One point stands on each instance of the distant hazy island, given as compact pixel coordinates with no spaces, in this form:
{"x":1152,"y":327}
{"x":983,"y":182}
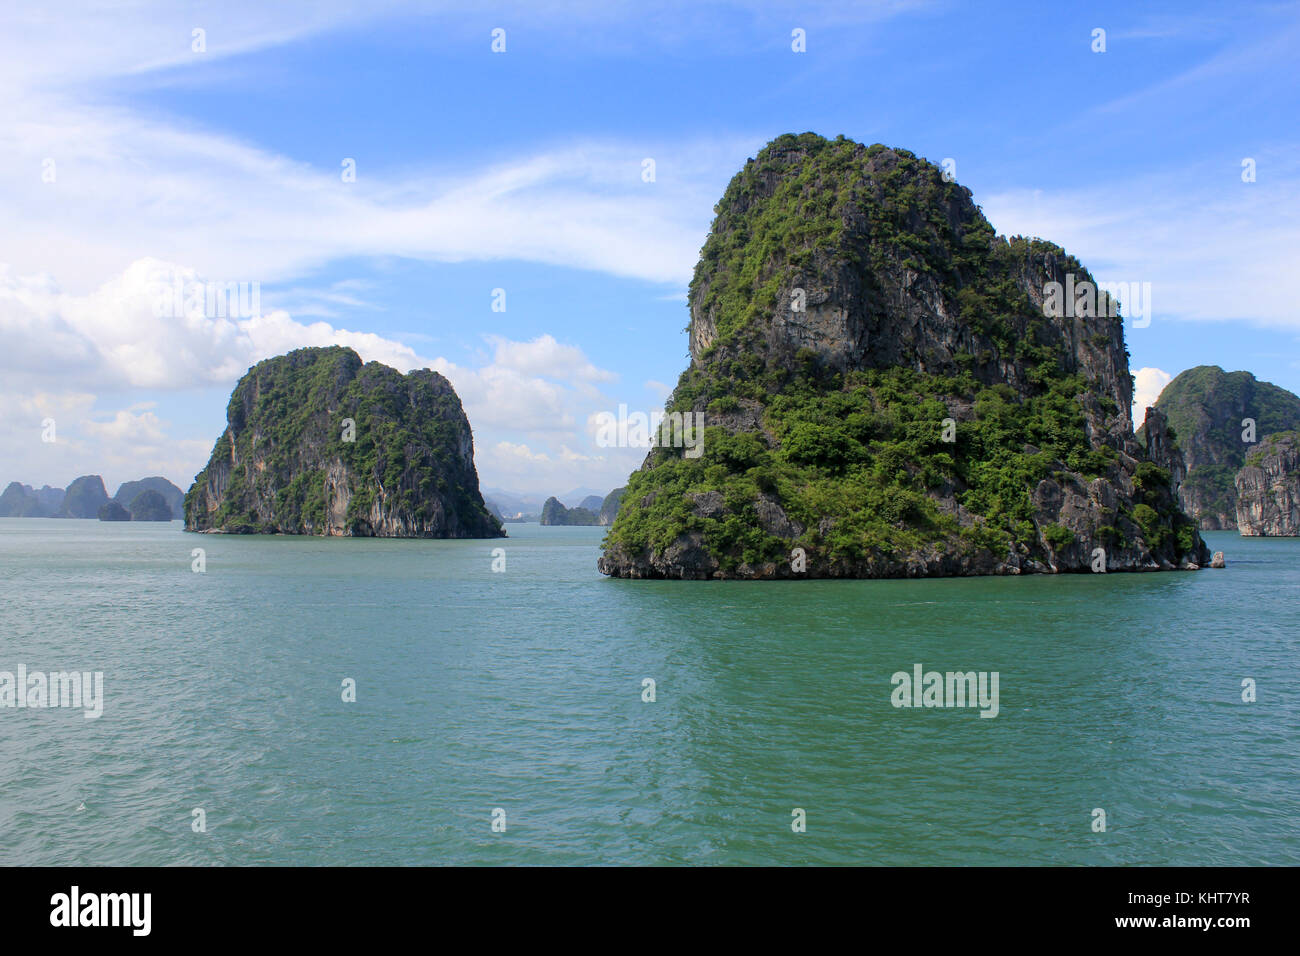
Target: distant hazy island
{"x":318,"y":442}
{"x":149,"y":499}
{"x":592,"y":511}
{"x":554,"y":513}
{"x":894,"y":390}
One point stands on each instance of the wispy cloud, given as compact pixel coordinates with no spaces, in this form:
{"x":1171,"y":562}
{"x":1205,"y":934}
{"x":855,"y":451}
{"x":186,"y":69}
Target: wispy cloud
{"x":1211,"y":245}
{"x":124,"y":188}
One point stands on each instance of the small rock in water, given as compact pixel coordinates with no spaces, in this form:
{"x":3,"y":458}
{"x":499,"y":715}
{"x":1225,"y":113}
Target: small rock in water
{"x":1217,"y":561}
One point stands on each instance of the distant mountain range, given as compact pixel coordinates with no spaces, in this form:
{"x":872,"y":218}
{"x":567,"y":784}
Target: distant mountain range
{"x":86,"y":497}
{"x":148,"y":499}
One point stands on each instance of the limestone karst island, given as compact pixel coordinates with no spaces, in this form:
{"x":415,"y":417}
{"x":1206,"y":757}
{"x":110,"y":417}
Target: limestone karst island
{"x":887,"y":392}
{"x":317,"y":442}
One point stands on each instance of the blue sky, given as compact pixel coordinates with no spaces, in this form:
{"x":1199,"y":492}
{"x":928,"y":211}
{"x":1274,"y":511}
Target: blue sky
{"x":522,"y":170}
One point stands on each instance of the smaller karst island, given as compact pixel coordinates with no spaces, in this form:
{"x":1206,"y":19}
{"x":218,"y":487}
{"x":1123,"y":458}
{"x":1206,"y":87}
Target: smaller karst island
{"x":318,"y":442}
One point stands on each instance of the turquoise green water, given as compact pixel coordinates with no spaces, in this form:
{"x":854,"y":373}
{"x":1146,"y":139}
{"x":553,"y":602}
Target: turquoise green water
{"x":522,"y":691}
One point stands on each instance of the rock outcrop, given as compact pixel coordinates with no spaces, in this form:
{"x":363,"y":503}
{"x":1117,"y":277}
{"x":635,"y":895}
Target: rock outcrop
{"x":1268,"y":488}
{"x":150,"y":505}
{"x":175,"y":498}
{"x":83,"y":498}
{"x":1217,"y":417}
{"x":112,"y":511}
{"x":609,"y":507}
{"x":554,"y":513}
{"x":1162,"y":448}
{"x":319,"y":443}
{"x":889,"y":389}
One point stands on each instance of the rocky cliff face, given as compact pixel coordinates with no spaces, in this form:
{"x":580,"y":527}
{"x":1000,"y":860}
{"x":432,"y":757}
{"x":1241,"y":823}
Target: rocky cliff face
{"x":1268,"y":488}
{"x":1162,"y":448}
{"x":318,"y":443}
{"x":890,"y":389}
{"x":83,"y":498}
{"x":1209,"y":411}
{"x":609,"y":507}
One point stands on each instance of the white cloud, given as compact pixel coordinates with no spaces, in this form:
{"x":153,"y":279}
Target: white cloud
{"x":118,"y":444}
{"x":518,"y":466}
{"x":546,"y":357}
{"x":114,"y":337}
{"x":658,"y":389}
{"x":1150,"y":382}
{"x":139,"y":423}
{"x":1212,"y":247}
{"x":538,"y":389}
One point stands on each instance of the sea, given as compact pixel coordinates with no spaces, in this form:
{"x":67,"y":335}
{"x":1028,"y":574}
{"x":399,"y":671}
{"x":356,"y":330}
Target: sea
{"x":309,"y":701}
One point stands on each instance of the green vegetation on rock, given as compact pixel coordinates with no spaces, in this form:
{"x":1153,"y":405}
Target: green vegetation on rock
{"x":318,"y":443}
{"x":1207,"y":409}
{"x":919,"y":414}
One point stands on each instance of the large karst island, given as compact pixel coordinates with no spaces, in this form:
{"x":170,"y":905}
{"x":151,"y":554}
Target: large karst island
{"x":319,"y":443}
{"x":890,"y":389}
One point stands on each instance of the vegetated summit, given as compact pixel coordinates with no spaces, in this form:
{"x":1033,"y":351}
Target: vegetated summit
{"x":849,"y":300}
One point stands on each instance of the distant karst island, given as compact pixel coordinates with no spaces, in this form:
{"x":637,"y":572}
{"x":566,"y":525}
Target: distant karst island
{"x":319,"y":443}
{"x":891,"y":389}
{"x":149,"y":499}
{"x":593,"y":510}
{"x":1217,"y":420}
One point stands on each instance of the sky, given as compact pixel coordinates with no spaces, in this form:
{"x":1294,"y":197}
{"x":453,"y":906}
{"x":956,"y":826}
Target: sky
{"x":382,"y":177}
